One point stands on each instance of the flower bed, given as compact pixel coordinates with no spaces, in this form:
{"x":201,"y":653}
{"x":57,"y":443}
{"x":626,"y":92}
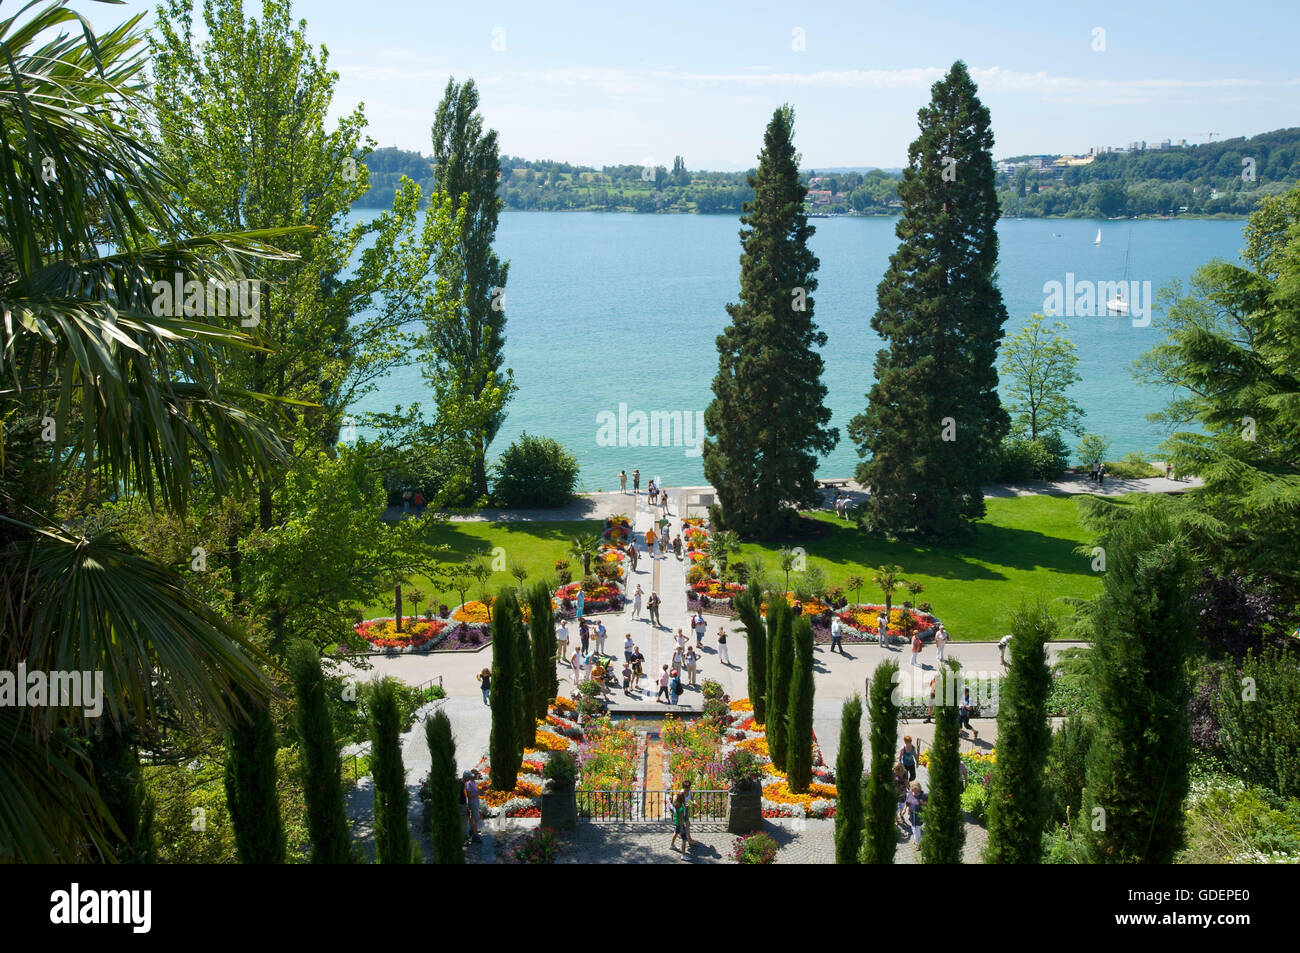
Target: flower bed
{"x":617,"y":535}
{"x":607,"y":758}
{"x":778,"y":799}
{"x":694,"y":752}
{"x":475,"y":612}
{"x":548,"y":741}
{"x":417,"y":634}
{"x":606,"y":597}
{"x":861,"y":619}
{"x":810,"y":608}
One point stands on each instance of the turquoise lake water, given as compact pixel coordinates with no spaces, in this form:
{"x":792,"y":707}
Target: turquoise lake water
{"x":609,"y":309}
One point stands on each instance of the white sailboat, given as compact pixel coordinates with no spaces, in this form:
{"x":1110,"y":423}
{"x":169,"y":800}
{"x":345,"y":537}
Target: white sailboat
{"x":1117,"y":304}
{"x":1097,"y":240}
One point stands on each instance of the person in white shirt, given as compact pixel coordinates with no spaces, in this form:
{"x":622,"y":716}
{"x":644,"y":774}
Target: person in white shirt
{"x":628,"y":648}
{"x":940,"y":642}
{"x":562,"y":642}
{"x":700,"y":627}
{"x":1002,"y":648}
{"x":836,"y":634}
{"x":600,"y":637}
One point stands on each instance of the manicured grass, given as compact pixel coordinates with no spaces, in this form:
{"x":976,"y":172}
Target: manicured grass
{"x":536,"y":545}
{"x":1023,"y":548}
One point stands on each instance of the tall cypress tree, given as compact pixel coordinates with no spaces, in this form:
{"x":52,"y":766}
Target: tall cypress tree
{"x":944,"y":819}
{"x":392,"y":830}
{"x":506,"y":745}
{"x":118,"y":779}
{"x":250,"y":785}
{"x":849,"y":816}
{"x":447,"y":820}
{"x":467,"y":341}
{"x":541,"y":624}
{"x":1019,"y":806}
{"x":799,"y":714}
{"x":1143,"y":630}
{"x":527,"y":683}
{"x":751,"y":618}
{"x":934,"y":419}
{"x":767,"y":423}
{"x":780,"y":645}
{"x":880,"y":839}
{"x":327,"y":819}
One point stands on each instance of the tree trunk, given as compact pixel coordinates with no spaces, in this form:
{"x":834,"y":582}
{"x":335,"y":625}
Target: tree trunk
{"x":397,"y":598}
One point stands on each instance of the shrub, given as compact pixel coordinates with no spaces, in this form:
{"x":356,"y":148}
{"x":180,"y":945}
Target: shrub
{"x":1133,"y":467}
{"x":561,"y":769}
{"x":1067,"y":767}
{"x":1258,"y":710}
{"x":588,"y":705}
{"x":716,"y":711}
{"x":755,"y":848}
{"x":534,"y":471}
{"x":590,"y":689}
{"x":711,"y":689}
{"x":974,"y":801}
{"x":537,"y":847}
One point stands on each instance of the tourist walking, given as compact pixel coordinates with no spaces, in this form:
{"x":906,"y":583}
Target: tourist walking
{"x":1101,"y":475}
{"x":722,"y":647}
{"x":691,"y":661}
{"x":907,"y":756}
{"x":882,"y":629}
{"x":628,"y":648}
{"x":622,"y":481}
{"x":584,"y":636}
{"x":915,"y":799}
{"x":663,"y":685}
{"x":916,"y":649}
{"x":601,"y":632}
{"x":964,"y":713}
{"x":406,"y":501}
{"x":681,"y":805}
{"x":677,"y":546}
{"x":901,"y":785}
{"x":636,"y":603}
{"x":627,"y":679}
{"x":929,"y":714}
{"x":940,"y":642}
{"x":638,"y":666}
{"x":652,"y":493}
{"x":700,"y":627}
{"x":836,"y":635}
{"x":653,"y":606}
{"x":650,"y":542}
{"x":485,"y":684}
{"x":675,"y":687}
{"x":575,"y":662}
{"x":1092,"y":472}
{"x":663,"y":500}
{"x":680,"y":639}
{"x":678,"y":658}
{"x":562,"y":642}
{"x":636,"y":482}
{"x":1002,"y":649}
{"x":631,"y":554}
{"x":469,"y":797}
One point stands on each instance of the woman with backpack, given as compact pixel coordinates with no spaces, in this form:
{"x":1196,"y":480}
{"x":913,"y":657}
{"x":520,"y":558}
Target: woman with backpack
{"x":916,"y":799}
{"x":682,"y":818}
{"x":907,"y":757}
{"x":675,"y":687}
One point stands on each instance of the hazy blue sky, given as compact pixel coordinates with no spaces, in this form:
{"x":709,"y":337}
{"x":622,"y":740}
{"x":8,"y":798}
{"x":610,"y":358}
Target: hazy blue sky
{"x":600,"y":83}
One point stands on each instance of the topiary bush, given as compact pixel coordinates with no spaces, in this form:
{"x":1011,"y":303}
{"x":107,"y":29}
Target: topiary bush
{"x":534,"y":471}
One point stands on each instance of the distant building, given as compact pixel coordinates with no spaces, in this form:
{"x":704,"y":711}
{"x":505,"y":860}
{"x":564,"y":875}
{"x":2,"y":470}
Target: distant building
{"x":818,"y":180}
{"x":820,"y":196}
{"x":1165,"y":143}
{"x":841,"y":197}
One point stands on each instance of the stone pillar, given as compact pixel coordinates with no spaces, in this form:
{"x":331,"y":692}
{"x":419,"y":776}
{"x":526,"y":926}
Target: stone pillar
{"x":559,"y":807}
{"x":745,"y":810}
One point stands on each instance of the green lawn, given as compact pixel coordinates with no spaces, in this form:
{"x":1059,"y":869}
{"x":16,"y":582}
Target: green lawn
{"x":536,"y":545}
{"x":1024,"y":547}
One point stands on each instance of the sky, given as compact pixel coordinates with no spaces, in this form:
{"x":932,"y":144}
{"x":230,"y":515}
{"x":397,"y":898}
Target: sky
{"x":605,"y":83}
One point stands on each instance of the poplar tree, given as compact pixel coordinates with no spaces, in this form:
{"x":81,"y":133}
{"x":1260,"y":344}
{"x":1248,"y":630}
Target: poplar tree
{"x":1144,"y":627}
{"x":880,"y":838}
{"x":850,"y":819}
{"x":944,"y":819}
{"x":780,"y":650}
{"x":392,"y":831}
{"x":447,"y":819}
{"x":506,"y":744}
{"x":767,"y":423}
{"x":250,"y":785}
{"x":799,"y":714}
{"x":934,"y":421}
{"x":466,"y":338}
{"x":751,"y":619}
{"x":322,"y":788}
{"x":1019,"y":805}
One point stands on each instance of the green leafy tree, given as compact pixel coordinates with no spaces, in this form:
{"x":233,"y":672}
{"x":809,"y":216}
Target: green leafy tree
{"x":1018,"y":805}
{"x":1092,"y":449}
{"x":799,"y":744}
{"x":1229,"y":352}
{"x":392,"y":831}
{"x":541,"y":625}
{"x":447,"y":823}
{"x":767,"y":423}
{"x":780,"y":665}
{"x":327,"y":818}
{"x":506,"y":745}
{"x":585,"y":548}
{"x":1038,"y":366}
{"x":466,"y":334}
{"x":880,"y":838}
{"x":750,"y":615}
{"x":945,"y":820}
{"x":934,"y":420}
{"x":250,"y":786}
{"x":850,"y":818}
{"x":116,"y":770}
{"x":1143,"y":632}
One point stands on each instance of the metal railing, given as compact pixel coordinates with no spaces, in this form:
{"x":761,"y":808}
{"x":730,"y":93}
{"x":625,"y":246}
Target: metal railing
{"x":647,"y":806}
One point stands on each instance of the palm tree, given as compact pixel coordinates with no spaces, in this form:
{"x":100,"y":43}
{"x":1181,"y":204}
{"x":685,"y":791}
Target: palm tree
{"x":855,"y":583}
{"x":720,"y":546}
{"x":787,"y":558}
{"x":585,"y":548}
{"x":132,"y":401}
{"x":887,"y":578}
